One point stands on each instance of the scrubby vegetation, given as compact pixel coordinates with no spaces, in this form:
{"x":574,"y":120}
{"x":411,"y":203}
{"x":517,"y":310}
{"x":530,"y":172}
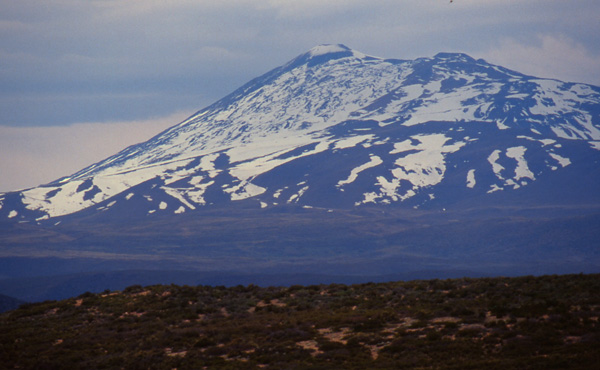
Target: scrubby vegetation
{"x":547,"y":322}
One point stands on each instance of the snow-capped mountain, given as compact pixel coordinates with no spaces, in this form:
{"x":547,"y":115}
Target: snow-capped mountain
{"x":335,"y":128}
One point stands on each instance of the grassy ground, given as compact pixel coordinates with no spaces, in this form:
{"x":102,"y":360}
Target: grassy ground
{"x":497,"y":323}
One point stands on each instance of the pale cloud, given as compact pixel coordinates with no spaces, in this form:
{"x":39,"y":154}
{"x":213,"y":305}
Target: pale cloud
{"x":30,"y":156}
{"x":302,"y":9}
{"x":548,"y":56}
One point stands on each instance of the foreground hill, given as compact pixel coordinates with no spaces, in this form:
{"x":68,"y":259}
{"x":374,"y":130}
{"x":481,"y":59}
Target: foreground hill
{"x":494,"y":323}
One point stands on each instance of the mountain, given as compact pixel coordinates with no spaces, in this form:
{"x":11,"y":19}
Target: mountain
{"x":338,"y":158}
{"x":336,"y":128}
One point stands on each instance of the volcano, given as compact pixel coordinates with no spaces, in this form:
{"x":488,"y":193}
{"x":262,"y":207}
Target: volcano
{"x":347,"y":162}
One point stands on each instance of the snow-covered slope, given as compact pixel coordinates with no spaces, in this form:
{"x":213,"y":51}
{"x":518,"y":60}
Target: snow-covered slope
{"x":337,"y":128}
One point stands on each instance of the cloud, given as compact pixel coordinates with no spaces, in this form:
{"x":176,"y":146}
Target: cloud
{"x":182,"y":54}
{"x":303,"y":9}
{"x":30,"y":156}
{"x":548,"y":56}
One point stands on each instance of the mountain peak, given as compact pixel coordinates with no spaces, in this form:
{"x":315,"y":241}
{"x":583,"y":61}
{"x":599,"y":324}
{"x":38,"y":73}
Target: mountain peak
{"x":328,"y":49}
{"x":454,"y":57}
{"x":326,"y":52}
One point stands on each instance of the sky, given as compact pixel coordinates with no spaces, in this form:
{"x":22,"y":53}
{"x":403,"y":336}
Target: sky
{"x":82,"y":79}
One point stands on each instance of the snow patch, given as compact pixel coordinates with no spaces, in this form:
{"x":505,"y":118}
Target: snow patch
{"x":245,"y":189}
{"x":179,"y":195}
{"x":564,"y":162}
{"x":296,"y":197}
{"x":496,"y":167}
{"x":494,"y":188}
{"x":110,"y":204}
{"x":471,"y":178}
{"x":196,"y":194}
{"x":522,"y":169}
{"x":544,"y":142}
{"x":424,"y":166}
{"x":501,"y":125}
{"x":374,"y":161}
{"x":352,"y":141}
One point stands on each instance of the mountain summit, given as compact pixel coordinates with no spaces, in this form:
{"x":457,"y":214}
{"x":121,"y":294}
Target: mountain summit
{"x":337,"y":129}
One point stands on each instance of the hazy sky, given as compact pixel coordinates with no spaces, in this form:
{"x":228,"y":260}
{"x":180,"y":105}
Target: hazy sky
{"x":82,"y":79}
